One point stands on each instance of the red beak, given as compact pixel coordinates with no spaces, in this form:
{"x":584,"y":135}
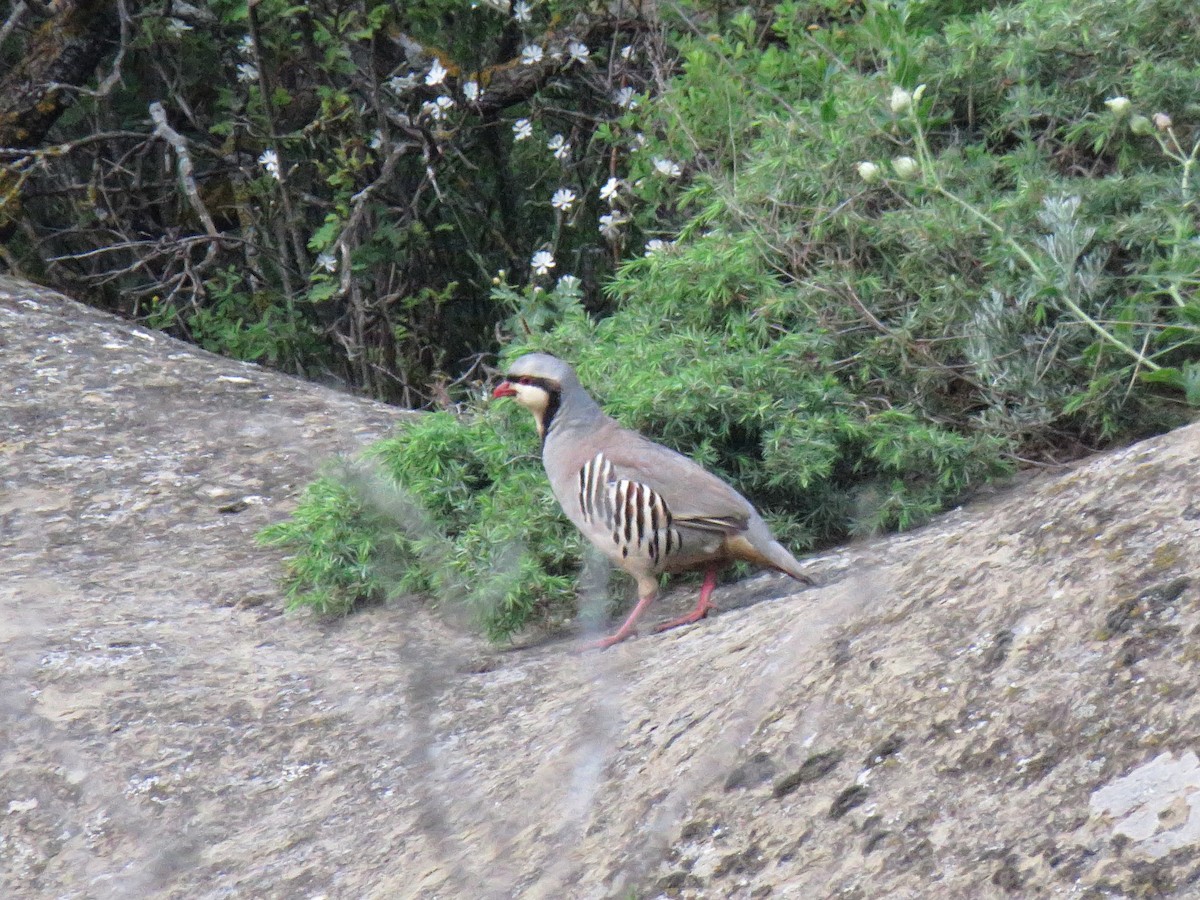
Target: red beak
{"x":504,"y":389}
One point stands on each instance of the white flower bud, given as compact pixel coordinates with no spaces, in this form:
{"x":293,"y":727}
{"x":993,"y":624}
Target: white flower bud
{"x":868,"y":172}
{"x":1118,"y":106}
{"x":918,"y":93}
{"x":1141,"y":125}
{"x":1162,"y":121}
{"x":904,"y":166}
{"x":902,"y":100}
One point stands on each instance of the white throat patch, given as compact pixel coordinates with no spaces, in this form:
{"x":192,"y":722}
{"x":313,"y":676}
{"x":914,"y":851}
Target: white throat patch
{"x":533,"y":398}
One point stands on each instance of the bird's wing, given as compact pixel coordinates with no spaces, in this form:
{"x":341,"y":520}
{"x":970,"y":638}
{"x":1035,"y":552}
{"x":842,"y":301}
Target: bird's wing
{"x":694,"y":496}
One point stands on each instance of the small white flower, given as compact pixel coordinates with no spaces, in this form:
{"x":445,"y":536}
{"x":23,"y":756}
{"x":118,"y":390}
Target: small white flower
{"x":531,"y":54}
{"x":568,"y":284}
{"x":376,"y":139}
{"x":522,"y":12}
{"x":561,"y":148}
{"x":470,"y":90}
{"x":667,"y":167}
{"x":639,"y":140}
{"x":578,"y":51}
{"x":1118,"y":106}
{"x":246,"y":45}
{"x":398,"y":84}
{"x":609,"y":190}
{"x":522,"y":128}
{"x":610,"y":224}
{"x":904,"y":166}
{"x":624,"y":98}
{"x":901,"y":100}
{"x":868,"y":172}
{"x":177,"y":27}
{"x":563,"y":199}
{"x":1162,"y":121}
{"x":627,"y":52}
{"x":542,"y":262}
{"x":270,"y":161}
{"x":436,"y":74}
{"x":656,"y":246}
{"x":246,"y":73}
{"x":437,"y":109}
{"x":327,"y":261}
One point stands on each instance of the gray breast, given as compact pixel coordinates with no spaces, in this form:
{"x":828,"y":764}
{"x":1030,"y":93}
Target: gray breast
{"x":629,"y":514}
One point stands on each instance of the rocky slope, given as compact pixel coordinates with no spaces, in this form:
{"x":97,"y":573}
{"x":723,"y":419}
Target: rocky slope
{"x":1000,"y":704}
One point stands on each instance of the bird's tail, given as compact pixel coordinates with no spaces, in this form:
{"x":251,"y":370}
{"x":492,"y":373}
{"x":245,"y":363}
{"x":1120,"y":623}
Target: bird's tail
{"x":785,"y":562}
{"x":769,"y":553}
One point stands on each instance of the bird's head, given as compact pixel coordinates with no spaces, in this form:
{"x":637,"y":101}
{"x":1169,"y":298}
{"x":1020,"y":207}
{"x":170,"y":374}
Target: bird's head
{"x":537,"y":381}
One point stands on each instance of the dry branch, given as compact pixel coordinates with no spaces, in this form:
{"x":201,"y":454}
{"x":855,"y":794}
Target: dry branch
{"x":187,"y":180}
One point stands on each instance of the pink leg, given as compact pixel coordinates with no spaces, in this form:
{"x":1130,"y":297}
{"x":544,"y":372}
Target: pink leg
{"x":703,"y":606}
{"x":627,"y":629}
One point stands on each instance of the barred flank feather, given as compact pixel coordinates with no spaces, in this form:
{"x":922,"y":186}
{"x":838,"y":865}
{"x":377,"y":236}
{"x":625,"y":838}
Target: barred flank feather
{"x":635,"y":516}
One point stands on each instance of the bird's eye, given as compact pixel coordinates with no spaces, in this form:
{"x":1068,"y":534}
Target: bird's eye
{"x":524,"y":379}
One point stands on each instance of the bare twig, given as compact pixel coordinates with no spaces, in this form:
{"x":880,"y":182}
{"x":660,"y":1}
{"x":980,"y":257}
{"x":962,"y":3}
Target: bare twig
{"x":184,"y":166}
{"x":163,"y":245}
{"x":67,"y":146}
{"x":14,"y":19}
{"x":358,"y":208}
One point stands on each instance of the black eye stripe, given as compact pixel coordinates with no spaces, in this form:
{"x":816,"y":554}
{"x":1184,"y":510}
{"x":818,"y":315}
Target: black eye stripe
{"x":533,"y":381}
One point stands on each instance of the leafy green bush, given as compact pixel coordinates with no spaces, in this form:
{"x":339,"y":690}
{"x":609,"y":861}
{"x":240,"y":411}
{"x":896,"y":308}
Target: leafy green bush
{"x":453,"y":507}
{"x":896,"y":254}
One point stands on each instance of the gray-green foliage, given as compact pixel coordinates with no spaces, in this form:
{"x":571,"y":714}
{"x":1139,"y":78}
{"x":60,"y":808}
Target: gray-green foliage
{"x":854,"y":347}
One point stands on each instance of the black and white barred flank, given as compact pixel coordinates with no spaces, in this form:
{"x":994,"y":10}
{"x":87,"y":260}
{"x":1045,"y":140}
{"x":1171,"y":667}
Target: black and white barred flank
{"x":635,"y":514}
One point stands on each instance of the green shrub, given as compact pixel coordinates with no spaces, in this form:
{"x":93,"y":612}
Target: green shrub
{"x":452,"y":507}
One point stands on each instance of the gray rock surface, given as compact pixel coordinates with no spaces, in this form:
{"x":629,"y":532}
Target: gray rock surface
{"x":1000,"y":704}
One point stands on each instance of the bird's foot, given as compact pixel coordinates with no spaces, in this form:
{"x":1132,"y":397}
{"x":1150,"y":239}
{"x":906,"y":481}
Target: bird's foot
{"x":605,"y":643}
{"x":702,"y":609}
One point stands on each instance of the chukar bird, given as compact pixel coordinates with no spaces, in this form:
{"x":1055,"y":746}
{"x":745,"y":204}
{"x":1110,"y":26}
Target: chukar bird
{"x":648,"y":509}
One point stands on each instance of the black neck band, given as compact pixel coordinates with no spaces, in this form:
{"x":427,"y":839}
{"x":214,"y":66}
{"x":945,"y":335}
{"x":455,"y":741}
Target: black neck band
{"x":553,"y":401}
